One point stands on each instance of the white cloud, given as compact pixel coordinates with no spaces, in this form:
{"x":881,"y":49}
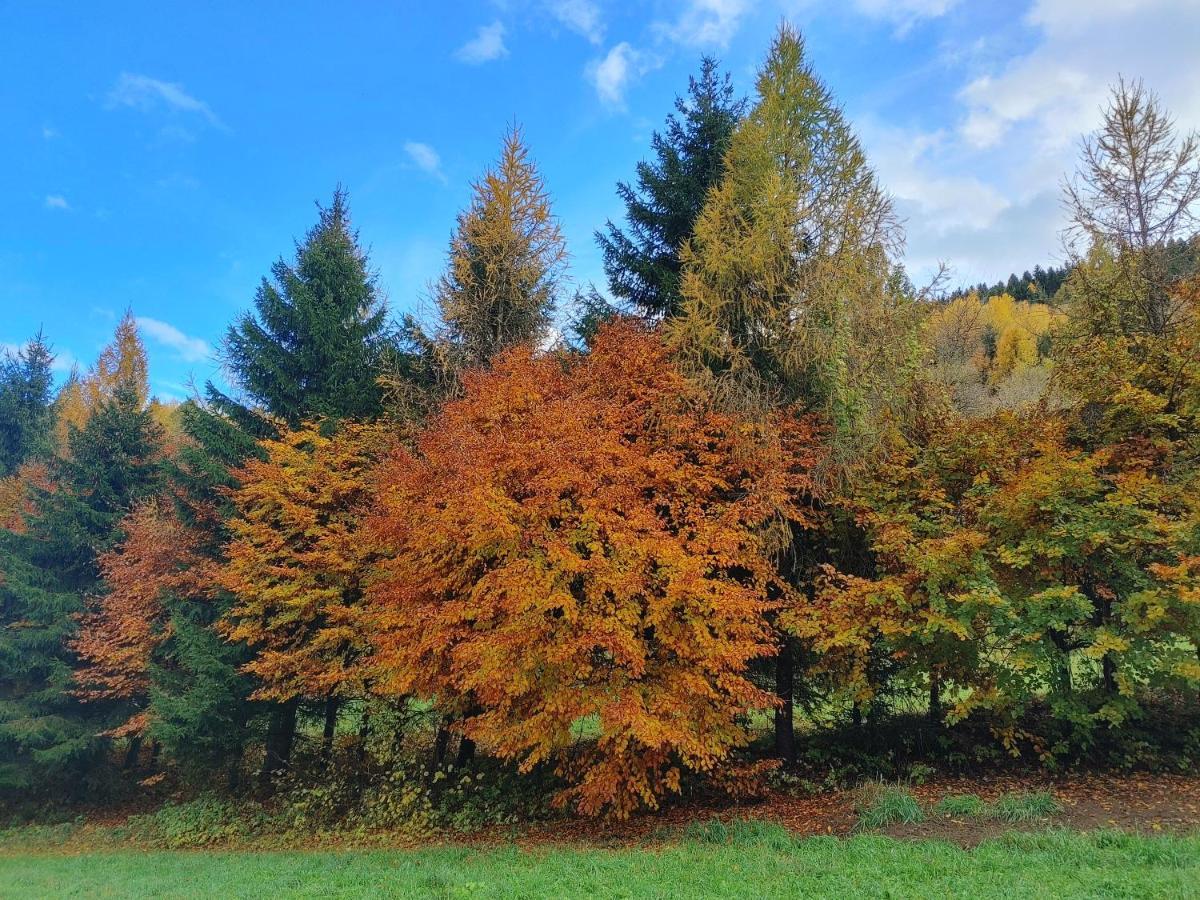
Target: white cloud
{"x":904,"y":14}
{"x":581,"y":16}
{"x":49,"y":133}
{"x":190,"y":349}
{"x":144,"y":93}
{"x":983,"y":193}
{"x":425,"y":158}
{"x":56,"y":201}
{"x":612,"y":74}
{"x":705,"y":22}
{"x":1052,"y":94}
{"x":487,"y":45}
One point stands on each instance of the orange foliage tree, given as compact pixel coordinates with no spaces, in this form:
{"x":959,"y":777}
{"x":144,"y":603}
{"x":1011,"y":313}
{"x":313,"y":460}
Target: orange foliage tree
{"x":581,"y":539}
{"x":122,"y":627}
{"x":297,"y":564}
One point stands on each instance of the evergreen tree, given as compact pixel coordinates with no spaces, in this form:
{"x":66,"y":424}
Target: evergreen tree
{"x":312,"y":347}
{"x":200,"y":709}
{"x":48,"y":570}
{"x":642,"y":263}
{"x":26,"y":414}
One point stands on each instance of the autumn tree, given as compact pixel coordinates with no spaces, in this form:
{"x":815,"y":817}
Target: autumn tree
{"x":503,"y":275}
{"x":582,"y":537}
{"x":790,"y":296}
{"x":788,"y":287}
{"x":297,"y":567}
{"x":122,"y":363}
{"x":127,"y":622}
{"x":1134,"y":194}
{"x":642,"y":260}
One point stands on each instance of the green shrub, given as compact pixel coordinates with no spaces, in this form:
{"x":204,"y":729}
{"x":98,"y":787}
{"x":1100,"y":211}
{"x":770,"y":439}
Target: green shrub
{"x":1024,"y":807}
{"x":961,"y":805}
{"x":881,"y":805}
{"x":202,"y":822}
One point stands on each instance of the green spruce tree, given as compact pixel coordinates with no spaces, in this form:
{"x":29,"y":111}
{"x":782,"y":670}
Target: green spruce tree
{"x":313,"y":345}
{"x":26,"y":404}
{"x":200,"y":711}
{"x":47,"y":736}
{"x":642,"y":260}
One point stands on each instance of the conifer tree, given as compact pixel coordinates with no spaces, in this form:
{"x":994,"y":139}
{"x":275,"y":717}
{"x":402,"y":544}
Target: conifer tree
{"x":789,"y":293}
{"x":122,"y":363}
{"x":788,"y":275}
{"x":312,"y":346}
{"x":47,"y":572}
{"x":199,"y":697}
{"x":506,"y":264}
{"x":642,"y":262}
{"x":26,"y":414}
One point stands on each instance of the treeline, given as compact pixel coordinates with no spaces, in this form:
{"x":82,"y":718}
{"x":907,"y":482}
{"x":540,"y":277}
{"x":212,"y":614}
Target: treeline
{"x":764,"y":477}
{"x":1038,"y":286}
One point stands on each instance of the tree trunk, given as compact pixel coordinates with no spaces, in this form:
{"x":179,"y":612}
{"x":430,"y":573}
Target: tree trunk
{"x":131,"y":753}
{"x":785,"y":727}
{"x":441,"y":743}
{"x":1108,"y":669}
{"x":281,"y":733}
{"x":935,"y":697}
{"x":466,"y":752}
{"x":233,"y":778}
{"x":332,"y":705}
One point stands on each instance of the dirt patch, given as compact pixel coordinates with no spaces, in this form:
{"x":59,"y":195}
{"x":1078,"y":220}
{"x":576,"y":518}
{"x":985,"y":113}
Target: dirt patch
{"x":1143,"y":803}
{"x":1147,"y":804}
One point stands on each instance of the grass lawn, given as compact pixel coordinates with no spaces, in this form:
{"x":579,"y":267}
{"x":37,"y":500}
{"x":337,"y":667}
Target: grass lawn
{"x":749,"y":860}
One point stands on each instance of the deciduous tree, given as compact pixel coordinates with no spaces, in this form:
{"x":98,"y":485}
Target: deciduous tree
{"x":581,"y":539}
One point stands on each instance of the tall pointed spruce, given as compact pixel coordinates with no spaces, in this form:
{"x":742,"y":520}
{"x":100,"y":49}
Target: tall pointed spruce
{"x":46,"y":735}
{"x":312,"y":347}
{"x":642,"y":261}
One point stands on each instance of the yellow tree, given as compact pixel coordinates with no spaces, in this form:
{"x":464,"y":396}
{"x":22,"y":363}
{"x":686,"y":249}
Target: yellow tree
{"x":506,"y":263}
{"x":297,"y":566}
{"x":121,"y":362}
{"x":790,"y":297}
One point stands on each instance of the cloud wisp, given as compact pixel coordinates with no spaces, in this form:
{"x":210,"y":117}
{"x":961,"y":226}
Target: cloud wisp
{"x":581,"y":16}
{"x":188,"y":348}
{"x":146,"y":94}
{"x":486,"y":46}
{"x":426,"y":159}
{"x":612,"y":74}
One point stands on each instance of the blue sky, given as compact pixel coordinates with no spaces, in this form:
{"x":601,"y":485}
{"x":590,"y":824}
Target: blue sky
{"x":160,"y":156}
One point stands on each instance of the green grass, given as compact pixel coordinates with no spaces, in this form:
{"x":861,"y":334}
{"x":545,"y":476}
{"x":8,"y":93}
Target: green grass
{"x":883,"y":805}
{"x":1024,"y":807}
{"x":962,"y":805}
{"x":751,"y":860}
